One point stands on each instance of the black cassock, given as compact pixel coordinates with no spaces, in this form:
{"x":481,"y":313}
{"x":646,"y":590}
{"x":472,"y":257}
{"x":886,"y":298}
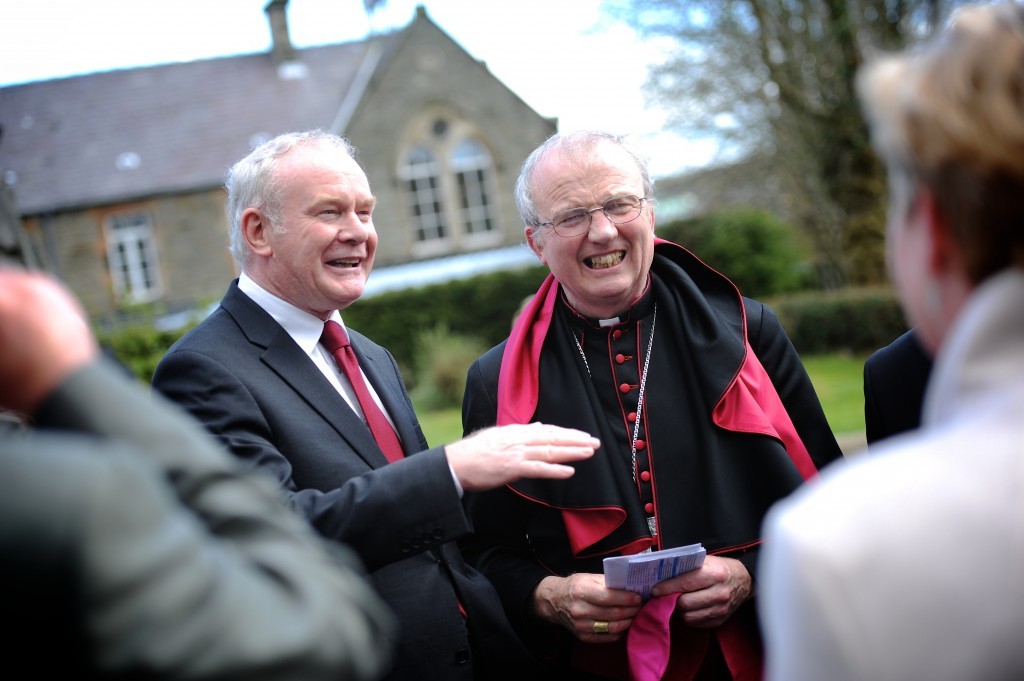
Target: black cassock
{"x":718,"y":439}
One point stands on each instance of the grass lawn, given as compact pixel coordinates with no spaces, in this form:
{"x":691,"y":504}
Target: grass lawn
{"x":441,"y":427}
{"x":838,"y":380}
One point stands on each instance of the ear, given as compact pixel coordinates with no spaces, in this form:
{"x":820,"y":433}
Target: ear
{"x":535,"y":243}
{"x":256,"y":231}
{"x":943,"y":251}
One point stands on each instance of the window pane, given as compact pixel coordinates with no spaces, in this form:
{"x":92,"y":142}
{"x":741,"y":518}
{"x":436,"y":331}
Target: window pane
{"x":420,"y":172}
{"x":131,"y":255}
{"x":473,"y":170}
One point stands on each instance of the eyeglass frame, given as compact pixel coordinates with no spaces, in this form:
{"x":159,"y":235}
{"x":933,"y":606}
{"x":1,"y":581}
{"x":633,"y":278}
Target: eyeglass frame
{"x":590,"y":215}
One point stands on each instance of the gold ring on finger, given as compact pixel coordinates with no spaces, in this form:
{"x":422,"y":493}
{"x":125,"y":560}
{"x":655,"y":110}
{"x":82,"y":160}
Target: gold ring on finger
{"x":600,"y":627}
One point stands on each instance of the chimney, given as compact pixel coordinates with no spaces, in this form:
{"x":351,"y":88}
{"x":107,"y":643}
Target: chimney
{"x":282,"y":50}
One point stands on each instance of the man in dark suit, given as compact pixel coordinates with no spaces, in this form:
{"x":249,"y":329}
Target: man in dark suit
{"x":895,"y":378}
{"x":260,"y":374}
{"x":134,"y":548}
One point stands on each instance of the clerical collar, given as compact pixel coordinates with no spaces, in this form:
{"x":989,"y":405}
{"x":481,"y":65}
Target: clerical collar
{"x":641,"y":308}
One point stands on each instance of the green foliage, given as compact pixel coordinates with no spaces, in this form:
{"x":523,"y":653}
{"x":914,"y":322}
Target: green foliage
{"x":442,"y":362}
{"x":139,"y":348}
{"x":854,"y":320}
{"x":760,"y":254}
{"x":480,"y":306}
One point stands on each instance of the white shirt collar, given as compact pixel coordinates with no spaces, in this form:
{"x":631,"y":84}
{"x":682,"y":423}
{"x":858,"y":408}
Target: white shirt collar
{"x":304,"y":328}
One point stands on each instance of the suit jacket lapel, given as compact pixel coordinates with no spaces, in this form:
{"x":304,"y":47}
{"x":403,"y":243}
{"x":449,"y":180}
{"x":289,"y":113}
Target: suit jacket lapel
{"x":282,"y":356}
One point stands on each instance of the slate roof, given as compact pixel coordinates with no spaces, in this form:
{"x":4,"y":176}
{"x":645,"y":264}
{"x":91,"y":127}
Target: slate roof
{"x":175,"y":127}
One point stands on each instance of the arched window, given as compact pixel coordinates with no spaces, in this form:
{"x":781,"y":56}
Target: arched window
{"x":421,"y":177}
{"x":471,"y":165}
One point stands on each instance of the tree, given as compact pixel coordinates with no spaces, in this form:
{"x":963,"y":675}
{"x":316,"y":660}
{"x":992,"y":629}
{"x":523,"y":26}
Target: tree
{"x":776,"y":77}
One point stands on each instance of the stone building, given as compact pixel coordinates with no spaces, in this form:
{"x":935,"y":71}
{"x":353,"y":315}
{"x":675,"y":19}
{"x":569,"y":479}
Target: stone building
{"x":118,"y":175}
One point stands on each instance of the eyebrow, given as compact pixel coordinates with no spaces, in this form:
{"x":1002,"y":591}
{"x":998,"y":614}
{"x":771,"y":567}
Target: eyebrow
{"x":328,"y":200}
{"x":610,"y":198}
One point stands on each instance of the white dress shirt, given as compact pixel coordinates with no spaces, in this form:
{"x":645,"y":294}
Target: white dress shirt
{"x":305,"y":329}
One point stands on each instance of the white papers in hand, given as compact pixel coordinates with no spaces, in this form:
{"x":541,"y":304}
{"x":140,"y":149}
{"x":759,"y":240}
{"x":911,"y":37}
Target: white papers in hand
{"x":642,"y":571}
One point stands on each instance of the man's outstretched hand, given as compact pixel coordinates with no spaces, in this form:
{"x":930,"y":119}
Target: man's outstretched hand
{"x":496,"y":456}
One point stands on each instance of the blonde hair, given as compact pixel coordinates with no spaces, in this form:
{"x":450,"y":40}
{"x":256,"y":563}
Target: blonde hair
{"x":949,"y":116}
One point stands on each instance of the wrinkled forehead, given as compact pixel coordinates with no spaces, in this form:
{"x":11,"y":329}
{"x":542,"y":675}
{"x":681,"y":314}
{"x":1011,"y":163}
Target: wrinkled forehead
{"x":585,"y":166}
{"x":320,"y":158}
{"x":310,"y":168}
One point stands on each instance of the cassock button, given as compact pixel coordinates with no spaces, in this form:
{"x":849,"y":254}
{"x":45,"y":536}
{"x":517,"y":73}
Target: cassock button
{"x":645,"y":476}
{"x":648,"y":508}
{"x":620,"y":358}
{"x":461,"y":656}
{"x":631,"y":417}
{"x":640,"y":445}
{"x":616,"y":334}
{"x":625,"y":388}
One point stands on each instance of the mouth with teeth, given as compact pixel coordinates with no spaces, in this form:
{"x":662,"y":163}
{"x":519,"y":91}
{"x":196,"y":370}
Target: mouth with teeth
{"x":349,"y":263}
{"x":600,"y":262}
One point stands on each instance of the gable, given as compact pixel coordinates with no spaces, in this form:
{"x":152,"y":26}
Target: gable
{"x":429,"y":94}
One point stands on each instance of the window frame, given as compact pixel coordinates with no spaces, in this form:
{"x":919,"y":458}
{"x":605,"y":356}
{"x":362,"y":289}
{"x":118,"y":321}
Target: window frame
{"x":132,"y":256}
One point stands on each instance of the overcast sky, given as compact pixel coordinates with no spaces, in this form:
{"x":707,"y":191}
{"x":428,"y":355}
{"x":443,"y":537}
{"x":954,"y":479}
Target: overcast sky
{"x":560,"y":56}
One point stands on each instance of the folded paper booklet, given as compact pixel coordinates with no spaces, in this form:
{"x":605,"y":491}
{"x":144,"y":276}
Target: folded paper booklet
{"x":642,"y":571}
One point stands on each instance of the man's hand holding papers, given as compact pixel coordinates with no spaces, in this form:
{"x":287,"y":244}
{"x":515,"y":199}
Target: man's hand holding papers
{"x":640,"y":572}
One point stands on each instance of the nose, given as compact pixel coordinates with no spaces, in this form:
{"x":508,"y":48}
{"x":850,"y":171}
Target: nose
{"x":353,"y":229}
{"x":601,"y":228}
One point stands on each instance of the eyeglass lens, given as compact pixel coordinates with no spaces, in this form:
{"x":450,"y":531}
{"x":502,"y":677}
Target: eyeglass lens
{"x":620,"y":210}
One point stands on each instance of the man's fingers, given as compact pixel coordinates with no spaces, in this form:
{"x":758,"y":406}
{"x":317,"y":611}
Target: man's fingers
{"x":544,"y":434}
{"x":552,"y":471}
{"x":559,"y":454}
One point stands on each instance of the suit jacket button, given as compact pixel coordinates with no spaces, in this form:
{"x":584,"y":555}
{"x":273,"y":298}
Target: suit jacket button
{"x":461,"y":656}
{"x":438,"y":533}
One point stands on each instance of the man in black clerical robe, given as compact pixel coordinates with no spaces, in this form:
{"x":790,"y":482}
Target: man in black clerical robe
{"x":705,"y":414}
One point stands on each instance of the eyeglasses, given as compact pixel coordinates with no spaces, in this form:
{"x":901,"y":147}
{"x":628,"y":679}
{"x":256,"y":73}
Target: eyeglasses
{"x":575,"y":221}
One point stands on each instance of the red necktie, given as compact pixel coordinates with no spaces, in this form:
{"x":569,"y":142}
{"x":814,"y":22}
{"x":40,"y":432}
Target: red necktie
{"x":336,"y":341}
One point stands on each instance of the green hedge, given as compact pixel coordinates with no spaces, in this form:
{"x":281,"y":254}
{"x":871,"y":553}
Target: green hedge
{"x":855,"y":319}
{"x":481,"y":309}
{"x":139,"y":348}
{"x":760,"y":254}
